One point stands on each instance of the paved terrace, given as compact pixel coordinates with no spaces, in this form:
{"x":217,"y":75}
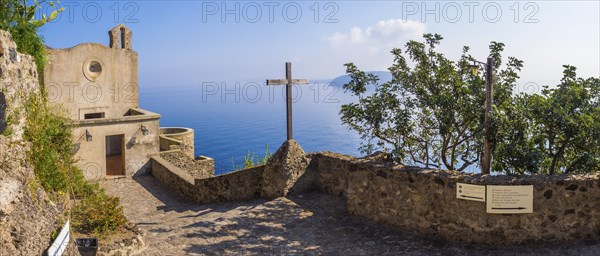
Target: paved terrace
{"x":310,"y":224}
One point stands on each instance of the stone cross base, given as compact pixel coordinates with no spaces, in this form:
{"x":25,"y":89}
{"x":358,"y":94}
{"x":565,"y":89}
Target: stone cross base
{"x":283,"y":170}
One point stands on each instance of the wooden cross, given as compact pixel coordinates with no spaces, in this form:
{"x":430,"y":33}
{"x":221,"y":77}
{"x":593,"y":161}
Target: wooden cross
{"x":288,"y":81}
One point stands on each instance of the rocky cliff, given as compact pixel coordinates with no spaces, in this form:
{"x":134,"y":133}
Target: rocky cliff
{"x":27,"y":216}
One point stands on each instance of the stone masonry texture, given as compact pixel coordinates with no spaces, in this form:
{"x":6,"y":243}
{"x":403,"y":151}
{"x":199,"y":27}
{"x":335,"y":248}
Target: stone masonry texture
{"x":311,"y":223}
{"x":566,"y":207}
{"x":283,"y":170}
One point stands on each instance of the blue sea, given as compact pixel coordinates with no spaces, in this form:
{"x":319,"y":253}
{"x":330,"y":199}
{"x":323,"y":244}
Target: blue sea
{"x":230,"y":120}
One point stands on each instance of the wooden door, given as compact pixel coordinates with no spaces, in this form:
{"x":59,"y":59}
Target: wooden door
{"x":115,"y":157}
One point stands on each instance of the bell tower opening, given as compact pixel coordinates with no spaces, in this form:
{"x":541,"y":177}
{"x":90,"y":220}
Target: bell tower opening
{"x":123,"y":34}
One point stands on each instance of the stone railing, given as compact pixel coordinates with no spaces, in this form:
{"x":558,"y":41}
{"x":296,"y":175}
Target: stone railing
{"x":177,"y":180}
{"x":167,"y":144}
{"x":199,"y":168}
{"x":235,"y":186}
{"x":177,"y":138}
{"x":276,"y":178}
{"x":566,"y":207}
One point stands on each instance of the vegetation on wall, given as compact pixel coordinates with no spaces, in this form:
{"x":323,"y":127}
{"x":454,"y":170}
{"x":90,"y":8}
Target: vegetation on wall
{"x":251,"y":159}
{"x":431,"y":114}
{"x":19,"y":18}
{"x":99,"y":213}
{"x":51,"y":146}
{"x":50,"y":135}
{"x":49,"y":131}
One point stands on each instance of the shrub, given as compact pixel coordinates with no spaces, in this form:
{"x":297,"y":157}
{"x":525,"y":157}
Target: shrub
{"x":51,"y":147}
{"x":99,"y":214}
{"x":251,"y":159}
{"x":51,"y":153}
{"x":554,"y":131}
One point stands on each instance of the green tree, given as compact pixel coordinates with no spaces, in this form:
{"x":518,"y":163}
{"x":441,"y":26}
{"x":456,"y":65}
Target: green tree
{"x":515,"y":150}
{"x":431,"y":112}
{"x":556,"y":131}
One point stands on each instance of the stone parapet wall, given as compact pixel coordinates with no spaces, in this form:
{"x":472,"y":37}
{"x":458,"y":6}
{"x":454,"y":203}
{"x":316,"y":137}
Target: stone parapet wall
{"x":283,"y":173}
{"x":199,"y":168}
{"x":566,"y":207}
{"x":181,"y":138}
{"x":235,"y":186}
{"x":177,"y":180}
{"x":168,"y":144}
{"x":206,"y":165}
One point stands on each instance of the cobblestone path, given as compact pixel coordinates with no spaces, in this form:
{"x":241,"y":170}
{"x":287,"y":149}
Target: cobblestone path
{"x":311,"y":224}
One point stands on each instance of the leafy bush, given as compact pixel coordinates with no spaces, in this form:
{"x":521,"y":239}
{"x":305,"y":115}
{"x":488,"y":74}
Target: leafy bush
{"x":99,"y":214}
{"x":52,"y":157}
{"x":51,"y":147}
{"x":54,"y":166}
{"x":556,"y":131}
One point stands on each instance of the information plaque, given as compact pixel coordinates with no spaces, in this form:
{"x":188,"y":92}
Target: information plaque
{"x":470,"y":192}
{"x":509,"y":199}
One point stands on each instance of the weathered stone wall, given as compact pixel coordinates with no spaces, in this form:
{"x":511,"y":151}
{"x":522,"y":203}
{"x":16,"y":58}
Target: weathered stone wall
{"x":566,"y":207}
{"x":177,"y":180}
{"x":283,"y":170}
{"x":92,"y":78}
{"x":167,"y":144}
{"x":235,"y":186}
{"x":27,"y":217}
{"x":284,"y":173}
{"x":200,"y":168}
{"x":184,"y":137}
{"x":3,"y":122}
{"x":205,"y":167}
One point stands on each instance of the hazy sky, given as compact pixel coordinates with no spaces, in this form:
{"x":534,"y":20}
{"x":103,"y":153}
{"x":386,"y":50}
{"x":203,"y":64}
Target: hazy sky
{"x":190,"y":42}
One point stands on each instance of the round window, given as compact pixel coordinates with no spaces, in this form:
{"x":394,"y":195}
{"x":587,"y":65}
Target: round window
{"x":92,"y":69}
{"x":95,"y":67}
